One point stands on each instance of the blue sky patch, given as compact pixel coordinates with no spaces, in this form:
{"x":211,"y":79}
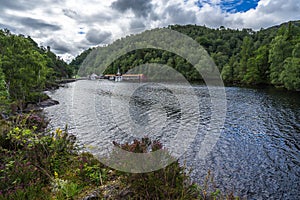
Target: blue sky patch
{"x":239,"y":5}
{"x":232,"y":6}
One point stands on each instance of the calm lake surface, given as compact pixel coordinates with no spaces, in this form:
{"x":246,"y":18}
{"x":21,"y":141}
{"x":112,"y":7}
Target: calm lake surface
{"x":257,"y":155}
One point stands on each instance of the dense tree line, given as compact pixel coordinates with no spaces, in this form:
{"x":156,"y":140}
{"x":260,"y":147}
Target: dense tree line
{"x":76,"y":62}
{"x":267,"y":56}
{"x":26,"y":68}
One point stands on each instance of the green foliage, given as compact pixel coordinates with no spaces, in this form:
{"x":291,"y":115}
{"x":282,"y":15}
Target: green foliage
{"x":280,"y":50}
{"x":252,"y":74}
{"x":40,"y":165}
{"x":33,"y":191}
{"x":246,"y":53}
{"x":243,"y":56}
{"x":284,"y":58}
{"x":79,"y":59}
{"x":29,"y":157}
{"x":37,"y":164}
{"x":291,"y":74}
{"x":3,"y":93}
{"x":26,"y":68}
{"x":227,"y":73}
{"x":171,"y":182}
{"x":90,"y":170}
{"x":64,"y":189}
{"x":59,"y":68}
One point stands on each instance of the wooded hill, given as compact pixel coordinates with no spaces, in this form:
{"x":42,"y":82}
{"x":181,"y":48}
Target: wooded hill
{"x":268,"y":56}
{"x":26,"y":69}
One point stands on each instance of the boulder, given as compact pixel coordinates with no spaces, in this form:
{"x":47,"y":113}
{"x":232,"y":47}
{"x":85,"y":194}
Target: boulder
{"x":47,"y":103}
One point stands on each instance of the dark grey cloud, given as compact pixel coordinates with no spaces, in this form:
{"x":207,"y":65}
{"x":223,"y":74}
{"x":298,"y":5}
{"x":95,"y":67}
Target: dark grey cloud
{"x":70,"y":13}
{"x":28,"y":23}
{"x":139,"y":7}
{"x":90,"y":19}
{"x":98,"y":17}
{"x":24,"y":5}
{"x":137,"y":24}
{"x":154,"y":16}
{"x":59,"y":46}
{"x":82,"y":45}
{"x":13,"y":5}
{"x":5,"y":26}
{"x":177,"y":15}
{"x":38,"y":24}
{"x":95,"y":36}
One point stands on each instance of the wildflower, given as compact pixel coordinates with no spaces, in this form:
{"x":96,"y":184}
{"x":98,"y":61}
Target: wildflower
{"x":55,"y":175}
{"x":58,"y":132}
{"x":17,"y":129}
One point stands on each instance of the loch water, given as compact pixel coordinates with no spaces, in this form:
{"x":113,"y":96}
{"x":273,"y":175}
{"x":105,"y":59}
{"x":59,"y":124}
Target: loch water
{"x":256,"y":154}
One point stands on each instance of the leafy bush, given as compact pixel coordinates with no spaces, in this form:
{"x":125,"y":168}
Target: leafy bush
{"x":29,"y":157}
{"x":31,"y":160}
{"x":90,"y":170}
{"x":64,"y":189}
{"x":34,"y":121}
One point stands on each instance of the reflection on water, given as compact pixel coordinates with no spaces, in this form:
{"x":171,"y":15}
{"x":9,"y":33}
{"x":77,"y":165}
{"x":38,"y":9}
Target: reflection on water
{"x":257,"y":155}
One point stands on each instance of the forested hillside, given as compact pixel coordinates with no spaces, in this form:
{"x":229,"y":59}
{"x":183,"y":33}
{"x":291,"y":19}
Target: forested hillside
{"x":268,"y":56}
{"x":26,"y":68}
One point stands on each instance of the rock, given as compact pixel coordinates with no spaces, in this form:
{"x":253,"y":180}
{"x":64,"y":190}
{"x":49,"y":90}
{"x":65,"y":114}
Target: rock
{"x":36,"y":107}
{"x":14,"y":108}
{"x":3,"y":116}
{"x":47,"y":103}
{"x":93,"y":196}
{"x":32,"y":108}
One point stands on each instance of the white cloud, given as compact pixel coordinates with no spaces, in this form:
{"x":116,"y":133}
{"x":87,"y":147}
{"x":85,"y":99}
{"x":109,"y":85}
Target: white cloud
{"x":72,"y":27}
{"x":267,"y":13}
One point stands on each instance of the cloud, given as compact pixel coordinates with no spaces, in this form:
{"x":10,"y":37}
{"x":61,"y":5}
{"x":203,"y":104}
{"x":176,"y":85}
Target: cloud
{"x":24,"y":5}
{"x":70,"y":27}
{"x":211,"y":16}
{"x":176,"y":14}
{"x":38,"y":24}
{"x":95,"y":36}
{"x":13,"y":5}
{"x":100,"y":17}
{"x":267,"y":13}
{"x":141,"y":8}
{"x":59,"y":46}
{"x":137,"y":24}
{"x":6,"y":26}
{"x":70,"y":13}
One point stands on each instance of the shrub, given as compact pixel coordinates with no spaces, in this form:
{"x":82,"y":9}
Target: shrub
{"x":29,"y":157}
{"x":171,"y":182}
{"x":34,"y":121}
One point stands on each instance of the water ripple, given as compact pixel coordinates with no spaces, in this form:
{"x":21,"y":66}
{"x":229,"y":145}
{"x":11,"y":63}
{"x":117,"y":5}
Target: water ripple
{"x":256,"y":157}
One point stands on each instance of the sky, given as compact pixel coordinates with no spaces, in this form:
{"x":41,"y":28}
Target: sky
{"x":70,"y":26}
